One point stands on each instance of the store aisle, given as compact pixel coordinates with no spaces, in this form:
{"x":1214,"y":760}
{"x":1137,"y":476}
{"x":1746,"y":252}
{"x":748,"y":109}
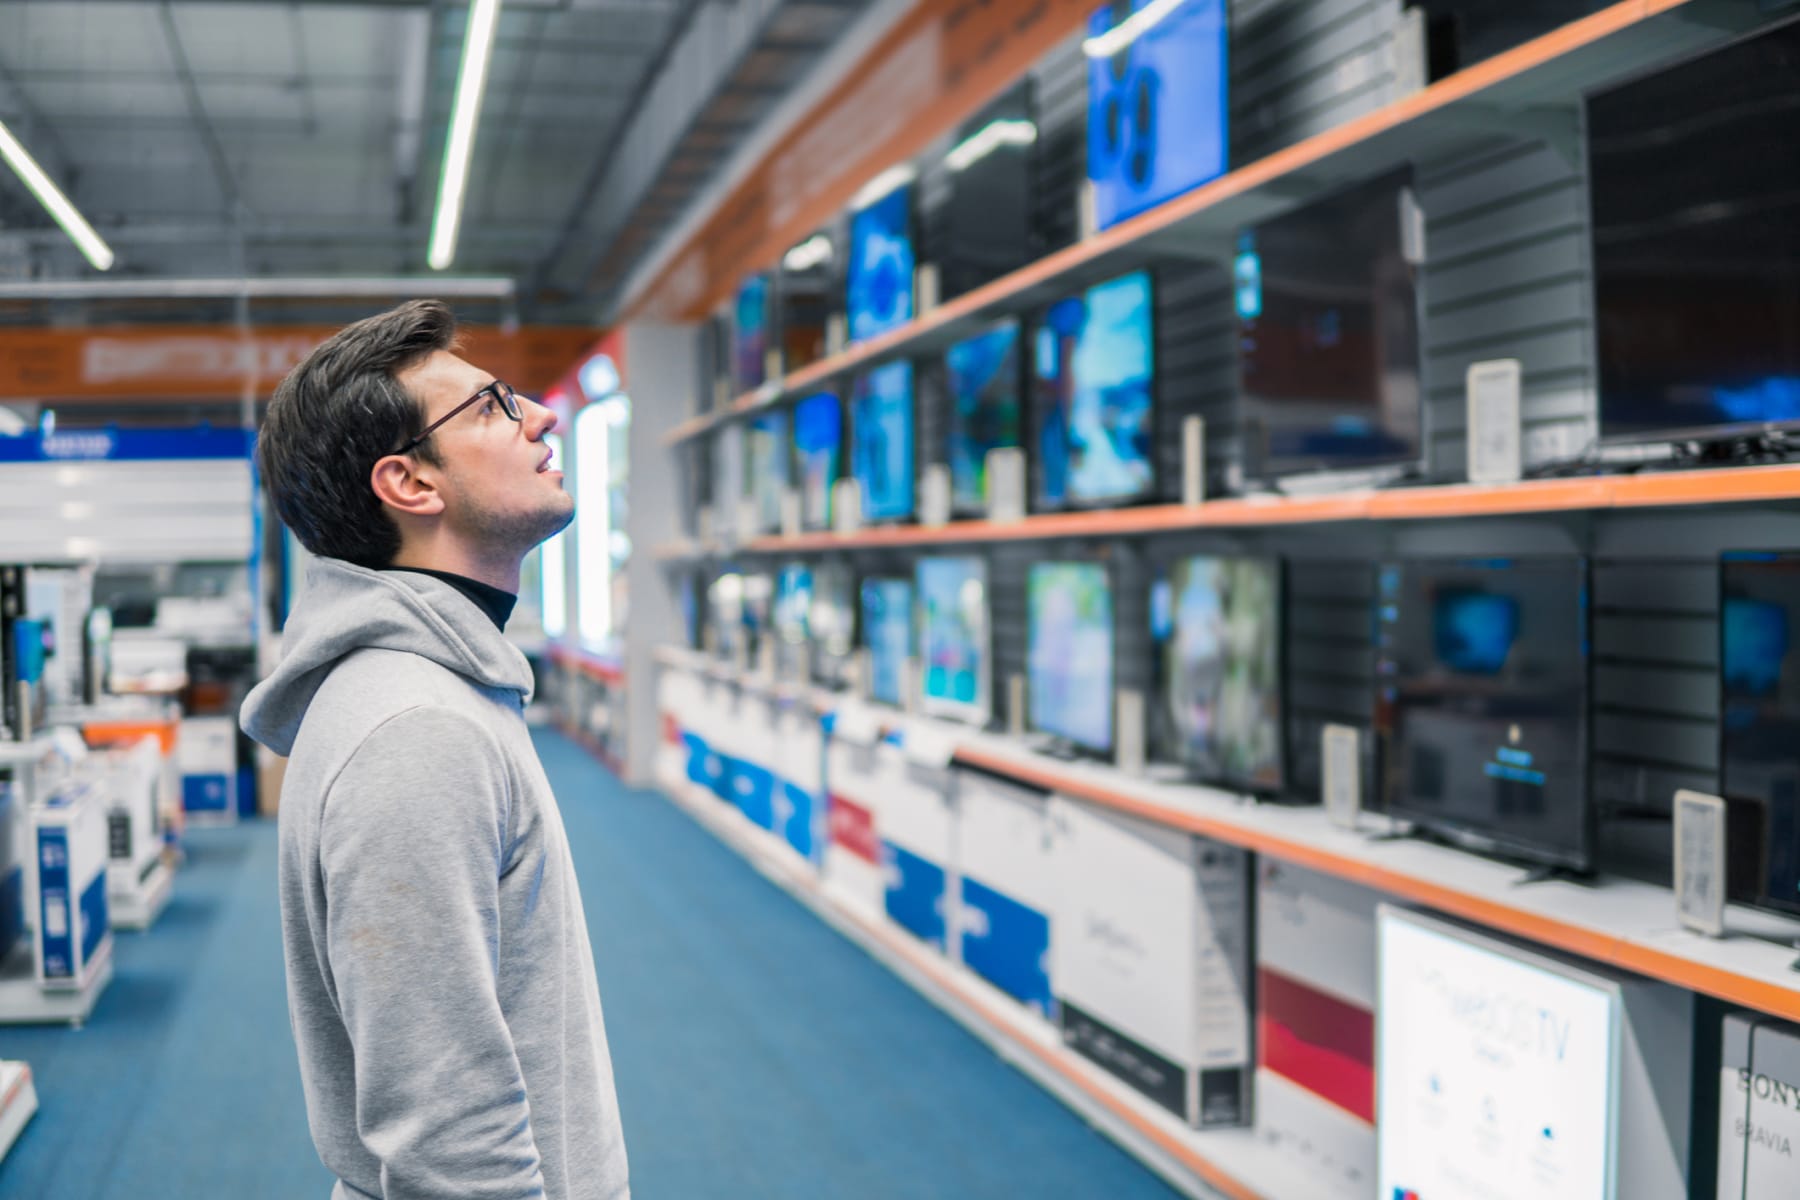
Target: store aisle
{"x":758,"y":1053}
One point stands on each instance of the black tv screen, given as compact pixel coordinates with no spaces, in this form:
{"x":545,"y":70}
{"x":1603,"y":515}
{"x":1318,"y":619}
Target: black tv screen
{"x":1759,"y":741}
{"x":1328,"y":325}
{"x":1695,"y":186}
{"x":1482,"y":703}
{"x":1461,"y":33}
{"x":986,"y":221}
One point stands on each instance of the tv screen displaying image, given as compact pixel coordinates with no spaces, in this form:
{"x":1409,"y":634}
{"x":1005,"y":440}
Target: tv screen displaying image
{"x":1759,"y":740}
{"x":881,"y":424}
{"x":953,"y":637}
{"x":750,"y":333}
{"x":1221,"y":675}
{"x":831,"y":624}
{"x":1069,"y":653}
{"x":880,"y":284}
{"x":1157,"y":107}
{"x":1328,"y":335}
{"x":986,"y":219}
{"x":1696,"y":244}
{"x":767,"y":469}
{"x":1482,"y":703}
{"x":1093,"y":369}
{"x":984,"y":409}
{"x":819,"y":449}
{"x":887,"y":630}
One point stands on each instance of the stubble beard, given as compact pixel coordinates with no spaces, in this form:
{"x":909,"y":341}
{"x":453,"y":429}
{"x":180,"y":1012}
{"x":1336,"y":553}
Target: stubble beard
{"x":517,"y":532}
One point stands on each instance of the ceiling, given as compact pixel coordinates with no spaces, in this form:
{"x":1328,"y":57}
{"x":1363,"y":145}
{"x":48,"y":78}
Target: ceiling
{"x":219,"y":138}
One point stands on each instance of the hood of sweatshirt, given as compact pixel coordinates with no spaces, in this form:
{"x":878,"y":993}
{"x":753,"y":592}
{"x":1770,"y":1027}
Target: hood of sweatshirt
{"x":345,"y":608}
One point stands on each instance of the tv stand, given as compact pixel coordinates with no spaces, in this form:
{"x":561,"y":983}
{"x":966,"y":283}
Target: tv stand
{"x":1545,"y":874}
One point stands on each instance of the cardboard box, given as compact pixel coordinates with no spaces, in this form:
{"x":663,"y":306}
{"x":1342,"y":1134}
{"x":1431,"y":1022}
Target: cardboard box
{"x":1007,"y":886}
{"x":1759,"y":1109}
{"x":68,"y":886}
{"x":207,"y":753}
{"x":918,"y":843}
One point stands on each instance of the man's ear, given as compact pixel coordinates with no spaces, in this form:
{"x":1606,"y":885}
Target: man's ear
{"x":401,"y":485}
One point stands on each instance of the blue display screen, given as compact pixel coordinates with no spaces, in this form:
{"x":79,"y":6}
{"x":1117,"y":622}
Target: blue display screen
{"x":1157,"y":107}
{"x":887,"y":632}
{"x":1069,"y":660}
{"x":793,"y":603}
{"x":1473,"y":632}
{"x":881,"y":266}
{"x":1753,"y":645}
{"x":984,"y":412}
{"x":819,"y":443}
{"x":953,"y":635}
{"x":1093,"y":369}
{"x":750,"y":332}
{"x":768,"y":469}
{"x":882,"y":454}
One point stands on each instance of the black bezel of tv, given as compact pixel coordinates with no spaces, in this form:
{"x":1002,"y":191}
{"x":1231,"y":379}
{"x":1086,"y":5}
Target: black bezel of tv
{"x":956,"y":274}
{"x":1580,"y":859}
{"x":1112,"y":593}
{"x":1032,"y":416}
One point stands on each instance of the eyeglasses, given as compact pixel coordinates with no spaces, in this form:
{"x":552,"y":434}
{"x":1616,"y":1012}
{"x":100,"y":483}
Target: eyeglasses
{"x":499,"y":390}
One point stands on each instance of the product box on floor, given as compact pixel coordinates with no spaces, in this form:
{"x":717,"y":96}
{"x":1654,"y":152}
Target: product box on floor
{"x":753,"y":758}
{"x":67,"y":888}
{"x":852,"y":859}
{"x":1151,"y":959}
{"x":1008,"y":886}
{"x":134,"y":834}
{"x":1759,"y":1109}
{"x":207,"y":752}
{"x":918,"y":841}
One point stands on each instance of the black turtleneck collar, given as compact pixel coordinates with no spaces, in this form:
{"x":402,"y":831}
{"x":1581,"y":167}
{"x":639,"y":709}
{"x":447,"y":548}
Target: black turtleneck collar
{"x":497,"y":604}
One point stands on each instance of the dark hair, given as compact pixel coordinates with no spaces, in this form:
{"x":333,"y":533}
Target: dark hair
{"x":337,"y":413}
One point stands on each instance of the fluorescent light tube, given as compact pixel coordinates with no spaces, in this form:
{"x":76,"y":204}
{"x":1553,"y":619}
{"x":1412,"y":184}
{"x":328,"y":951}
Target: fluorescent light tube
{"x":813,"y":252}
{"x":882,"y":184}
{"x":988,"y":139}
{"x":50,"y":196}
{"x":478,"y":45}
{"x":263,"y":287}
{"x":1129,"y":30}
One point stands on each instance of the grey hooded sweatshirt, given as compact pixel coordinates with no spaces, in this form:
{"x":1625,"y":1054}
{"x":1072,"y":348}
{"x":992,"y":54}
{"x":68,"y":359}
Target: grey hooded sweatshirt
{"x":440,"y":982}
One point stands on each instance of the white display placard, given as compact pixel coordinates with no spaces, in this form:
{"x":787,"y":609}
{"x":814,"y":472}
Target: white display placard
{"x":1130,"y":756}
{"x":1015,"y":704}
{"x":1006,"y":484}
{"x":1193,"y":460}
{"x":846,"y":505}
{"x":790,"y":513}
{"x":1493,"y":427}
{"x":1700,"y":862}
{"x":1341,"y":774}
{"x":934,"y":495}
{"x":925,"y":287}
{"x":1496,"y":1070}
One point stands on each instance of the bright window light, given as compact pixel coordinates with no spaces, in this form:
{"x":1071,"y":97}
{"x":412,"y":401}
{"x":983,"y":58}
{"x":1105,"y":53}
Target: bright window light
{"x":92,"y":247}
{"x":593,"y":526}
{"x":478,"y":44}
{"x":554,"y":568}
{"x":990,"y":138}
{"x":1129,"y":30}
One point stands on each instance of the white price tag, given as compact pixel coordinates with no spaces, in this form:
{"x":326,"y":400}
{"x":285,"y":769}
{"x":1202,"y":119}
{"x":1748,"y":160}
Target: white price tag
{"x":1700,"y":862}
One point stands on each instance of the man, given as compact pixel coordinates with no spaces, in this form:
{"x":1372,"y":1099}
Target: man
{"x":440,"y":982}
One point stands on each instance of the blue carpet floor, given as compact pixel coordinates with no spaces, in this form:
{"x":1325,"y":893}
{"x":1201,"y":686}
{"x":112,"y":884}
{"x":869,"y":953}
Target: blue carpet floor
{"x":758,"y":1054}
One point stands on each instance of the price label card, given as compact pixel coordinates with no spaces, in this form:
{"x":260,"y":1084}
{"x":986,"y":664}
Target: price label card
{"x":1700,"y":862}
{"x":1341,"y":774}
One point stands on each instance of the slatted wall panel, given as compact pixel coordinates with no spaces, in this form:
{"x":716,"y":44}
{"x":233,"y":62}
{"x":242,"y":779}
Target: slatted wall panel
{"x":1196,"y":368}
{"x":1330,"y":658}
{"x":1008,"y":565}
{"x":1059,"y":85}
{"x":1507,"y":275}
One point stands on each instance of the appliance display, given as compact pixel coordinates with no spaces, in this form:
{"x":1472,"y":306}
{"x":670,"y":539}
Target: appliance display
{"x":880,"y":284}
{"x":887,"y":627}
{"x":1157,"y":107}
{"x":881,"y":424}
{"x":725,"y":599}
{"x":1221,"y":677}
{"x":953,"y":637}
{"x":986,"y":220}
{"x":1482,"y":703}
{"x":767,"y":470}
{"x":1497,"y":1069}
{"x":831,"y":624}
{"x":1759,"y":767}
{"x":1328,"y":334}
{"x":819,"y":447}
{"x":1069,"y":656}
{"x":750,"y":342}
{"x":1093,"y":368}
{"x":792,"y":618}
{"x":984,"y":409}
{"x":1696,"y":245}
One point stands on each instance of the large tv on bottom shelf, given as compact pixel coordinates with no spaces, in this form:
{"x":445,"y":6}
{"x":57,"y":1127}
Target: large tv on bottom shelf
{"x":1069,"y":653}
{"x":887,"y":634}
{"x":1220,"y":678}
{"x":953,"y":637}
{"x":1481,"y":703}
{"x":1759,"y":727}
{"x":1093,"y":366}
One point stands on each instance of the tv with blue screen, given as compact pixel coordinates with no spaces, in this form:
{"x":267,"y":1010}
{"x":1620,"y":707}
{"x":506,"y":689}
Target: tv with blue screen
{"x":887,"y":630}
{"x":767,"y":470}
{"x":879,"y":288}
{"x":953,"y":637}
{"x":1759,"y":707}
{"x":1069,"y":653}
{"x":792,"y":619}
{"x":984,"y":409}
{"x":881,"y":426}
{"x":750,"y":333}
{"x":819,"y":447}
{"x":1220,"y":673}
{"x":1093,"y":370}
{"x":1482,"y":703}
{"x":1157,"y":106}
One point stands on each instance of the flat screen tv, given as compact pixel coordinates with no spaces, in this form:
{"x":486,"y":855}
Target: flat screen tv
{"x":1759,"y":741}
{"x":1093,"y":369}
{"x":953,"y":637}
{"x":1461,"y":33}
{"x":831,"y":624}
{"x":819,"y":453}
{"x":808,"y":290}
{"x":1482,"y":703}
{"x":1157,"y":106}
{"x":1328,"y":335}
{"x":767,"y":469}
{"x":1696,"y":244}
{"x":792,"y":619}
{"x":1221,"y":674}
{"x":984,"y":380}
{"x":986,"y":223}
{"x":750,"y":342}
{"x":881,"y":424}
{"x":1069,"y":653}
{"x":887,"y":631}
{"x":879,"y":290}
